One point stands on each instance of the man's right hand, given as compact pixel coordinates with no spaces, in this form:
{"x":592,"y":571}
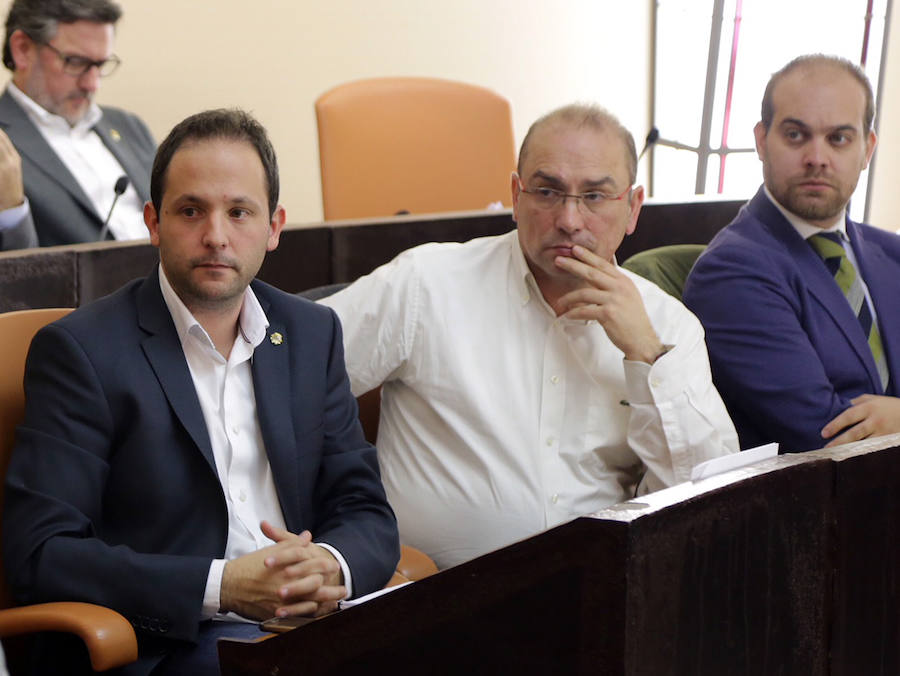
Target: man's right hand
{"x":291,"y":577}
{"x":12,"y":191}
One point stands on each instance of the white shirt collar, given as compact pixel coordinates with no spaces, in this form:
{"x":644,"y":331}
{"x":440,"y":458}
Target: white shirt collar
{"x":806,"y":230}
{"x":253,"y":321}
{"x":43,"y":118}
{"x":522,"y":283}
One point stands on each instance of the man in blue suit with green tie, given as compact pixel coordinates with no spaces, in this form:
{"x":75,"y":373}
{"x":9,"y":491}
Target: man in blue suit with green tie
{"x":190,"y":454}
{"x":800,"y":303}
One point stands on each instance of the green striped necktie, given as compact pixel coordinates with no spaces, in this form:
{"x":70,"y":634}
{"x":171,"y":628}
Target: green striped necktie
{"x":828,"y":246}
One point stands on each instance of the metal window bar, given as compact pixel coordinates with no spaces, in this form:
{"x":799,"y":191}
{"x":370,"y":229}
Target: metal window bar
{"x":703,"y":149}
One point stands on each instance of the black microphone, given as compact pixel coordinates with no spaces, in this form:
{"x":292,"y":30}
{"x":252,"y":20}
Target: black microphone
{"x":652,"y":137}
{"x":120,"y":187}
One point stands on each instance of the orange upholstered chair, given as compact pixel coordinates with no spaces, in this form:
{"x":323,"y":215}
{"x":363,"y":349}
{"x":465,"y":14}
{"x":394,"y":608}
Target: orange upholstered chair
{"x":421,"y":145}
{"x":108,"y":636}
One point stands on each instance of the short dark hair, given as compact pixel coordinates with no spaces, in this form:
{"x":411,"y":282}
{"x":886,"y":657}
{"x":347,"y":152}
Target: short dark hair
{"x":768,"y":108}
{"x":581,"y":115}
{"x":222,"y":123}
{"x":40,"y":19}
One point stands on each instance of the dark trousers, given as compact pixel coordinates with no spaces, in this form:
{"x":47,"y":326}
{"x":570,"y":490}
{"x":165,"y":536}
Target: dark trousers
{"x":203,"y":659}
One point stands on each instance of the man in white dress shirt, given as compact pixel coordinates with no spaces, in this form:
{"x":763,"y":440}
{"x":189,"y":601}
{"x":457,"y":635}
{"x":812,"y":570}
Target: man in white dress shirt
{"x":527,"y":379}
{"x":62,"y":155}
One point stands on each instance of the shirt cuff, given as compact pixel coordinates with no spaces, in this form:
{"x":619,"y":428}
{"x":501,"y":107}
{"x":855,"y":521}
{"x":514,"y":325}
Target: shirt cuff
{"x":345,"y":569}
{"x":10,"y":218}
{"x":213,"y":589}
{"x":649,"y":383}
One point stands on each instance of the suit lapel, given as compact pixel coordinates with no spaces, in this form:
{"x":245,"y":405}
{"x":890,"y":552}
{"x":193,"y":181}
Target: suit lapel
{"x":120,"y":147}
{"x":272,"y":387}
{"x":30,"y":143}
{"x":882,"y":277}
{"x":819,"y":281}
{"x":163,"y":350}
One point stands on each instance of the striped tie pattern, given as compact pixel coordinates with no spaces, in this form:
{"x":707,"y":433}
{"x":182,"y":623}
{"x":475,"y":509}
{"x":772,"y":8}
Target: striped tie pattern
{"x":828,"y":246}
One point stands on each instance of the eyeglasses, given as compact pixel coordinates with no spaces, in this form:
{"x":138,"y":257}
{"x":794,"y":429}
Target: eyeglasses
{"x":76,"y":66}
{"x":550,"y":198}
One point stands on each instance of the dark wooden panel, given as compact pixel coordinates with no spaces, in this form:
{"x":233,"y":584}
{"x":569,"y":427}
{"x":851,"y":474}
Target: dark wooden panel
{"x":867,"y":579}
{"x":104,"y":267}
{"x":37,"y":278}
{"x":527,"y":609}
{"x":680,"y":223}
{"x":301,"y":261}
{"x":735,"y":581}
{"x":728,"y":576}
{"x":310,"y":257}
{"x":361,"y":246}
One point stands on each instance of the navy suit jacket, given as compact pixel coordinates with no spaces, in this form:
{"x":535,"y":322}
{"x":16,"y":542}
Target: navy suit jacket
{"x":112,"y":495}
{"x":61,"y":212}
{"x":787,"y":352}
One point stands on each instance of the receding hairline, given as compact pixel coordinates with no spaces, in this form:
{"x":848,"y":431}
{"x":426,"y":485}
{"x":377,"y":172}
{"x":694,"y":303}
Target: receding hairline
{"x":812,"y":62}
{"x":579,"y":116}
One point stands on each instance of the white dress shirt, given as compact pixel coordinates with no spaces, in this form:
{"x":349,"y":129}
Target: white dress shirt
{"x":228,"y":401}
{"x":499,"y":419}
{"x":90,"y":162}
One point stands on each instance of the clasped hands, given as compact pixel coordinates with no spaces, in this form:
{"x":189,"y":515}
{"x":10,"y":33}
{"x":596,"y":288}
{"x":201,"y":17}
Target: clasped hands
{"x":611,"y":299}
{"x":294,"y":576}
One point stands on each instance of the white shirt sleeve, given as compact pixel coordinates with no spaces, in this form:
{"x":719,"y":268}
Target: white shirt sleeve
{"x":677,"y":419}
{"x":213,"y":589}
{"x":345,"y":569}
{"x":10,"y":218}
{"x":379,"y":315}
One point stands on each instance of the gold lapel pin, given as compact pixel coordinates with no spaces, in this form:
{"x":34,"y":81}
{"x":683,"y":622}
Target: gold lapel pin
{"x":276,"y":338}
{"x":115,"y":135}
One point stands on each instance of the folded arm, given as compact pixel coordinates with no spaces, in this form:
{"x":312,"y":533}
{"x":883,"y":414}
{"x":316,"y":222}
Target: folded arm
{"x":767,"y":362}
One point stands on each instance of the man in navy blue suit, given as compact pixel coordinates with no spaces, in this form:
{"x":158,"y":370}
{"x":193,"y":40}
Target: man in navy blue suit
{"x":800,"y":304}
{"x":190,"y":450}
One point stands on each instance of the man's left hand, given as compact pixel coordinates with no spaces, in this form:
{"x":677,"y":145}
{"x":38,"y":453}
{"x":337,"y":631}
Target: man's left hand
{"x":12,"y":191}
{"x":612,"y":300}
{"x":292,"y":566}
{"x":871,"y":415}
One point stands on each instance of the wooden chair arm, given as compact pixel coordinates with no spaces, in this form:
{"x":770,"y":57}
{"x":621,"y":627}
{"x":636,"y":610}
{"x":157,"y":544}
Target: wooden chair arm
{"x":108,"y":636}
{"x":414,"y":564}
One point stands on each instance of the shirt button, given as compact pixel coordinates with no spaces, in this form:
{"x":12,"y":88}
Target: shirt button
{"x":235,"y":430}
{"x":554,"y":379}
{"x":550,"y":441}
{"x":554,"y":498}
{"x":242,"y":496}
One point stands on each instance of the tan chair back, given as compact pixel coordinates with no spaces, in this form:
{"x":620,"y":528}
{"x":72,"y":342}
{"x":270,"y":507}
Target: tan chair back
{"x":413,"y":144}
{"x":16,"y":331}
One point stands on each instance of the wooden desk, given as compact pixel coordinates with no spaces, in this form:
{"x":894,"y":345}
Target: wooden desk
{"x":786,"y":567}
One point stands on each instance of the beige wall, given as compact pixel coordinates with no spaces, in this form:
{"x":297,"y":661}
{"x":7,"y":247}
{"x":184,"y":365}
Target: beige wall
{"x":274,"y":57}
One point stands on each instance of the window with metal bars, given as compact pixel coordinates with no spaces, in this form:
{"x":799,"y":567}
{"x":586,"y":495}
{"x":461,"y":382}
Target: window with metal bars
{"x":711,"y":62}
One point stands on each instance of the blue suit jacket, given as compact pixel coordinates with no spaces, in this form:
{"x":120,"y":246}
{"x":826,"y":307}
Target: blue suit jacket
{"x":786,"y":350}
{"x":112,"y":495}
{"x":61,"y":212}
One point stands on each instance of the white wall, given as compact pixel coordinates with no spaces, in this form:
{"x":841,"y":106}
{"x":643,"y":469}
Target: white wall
{"x":274,"y":57}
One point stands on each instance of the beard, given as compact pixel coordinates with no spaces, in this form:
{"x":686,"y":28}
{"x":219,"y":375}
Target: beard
{"x":812,"y":205}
